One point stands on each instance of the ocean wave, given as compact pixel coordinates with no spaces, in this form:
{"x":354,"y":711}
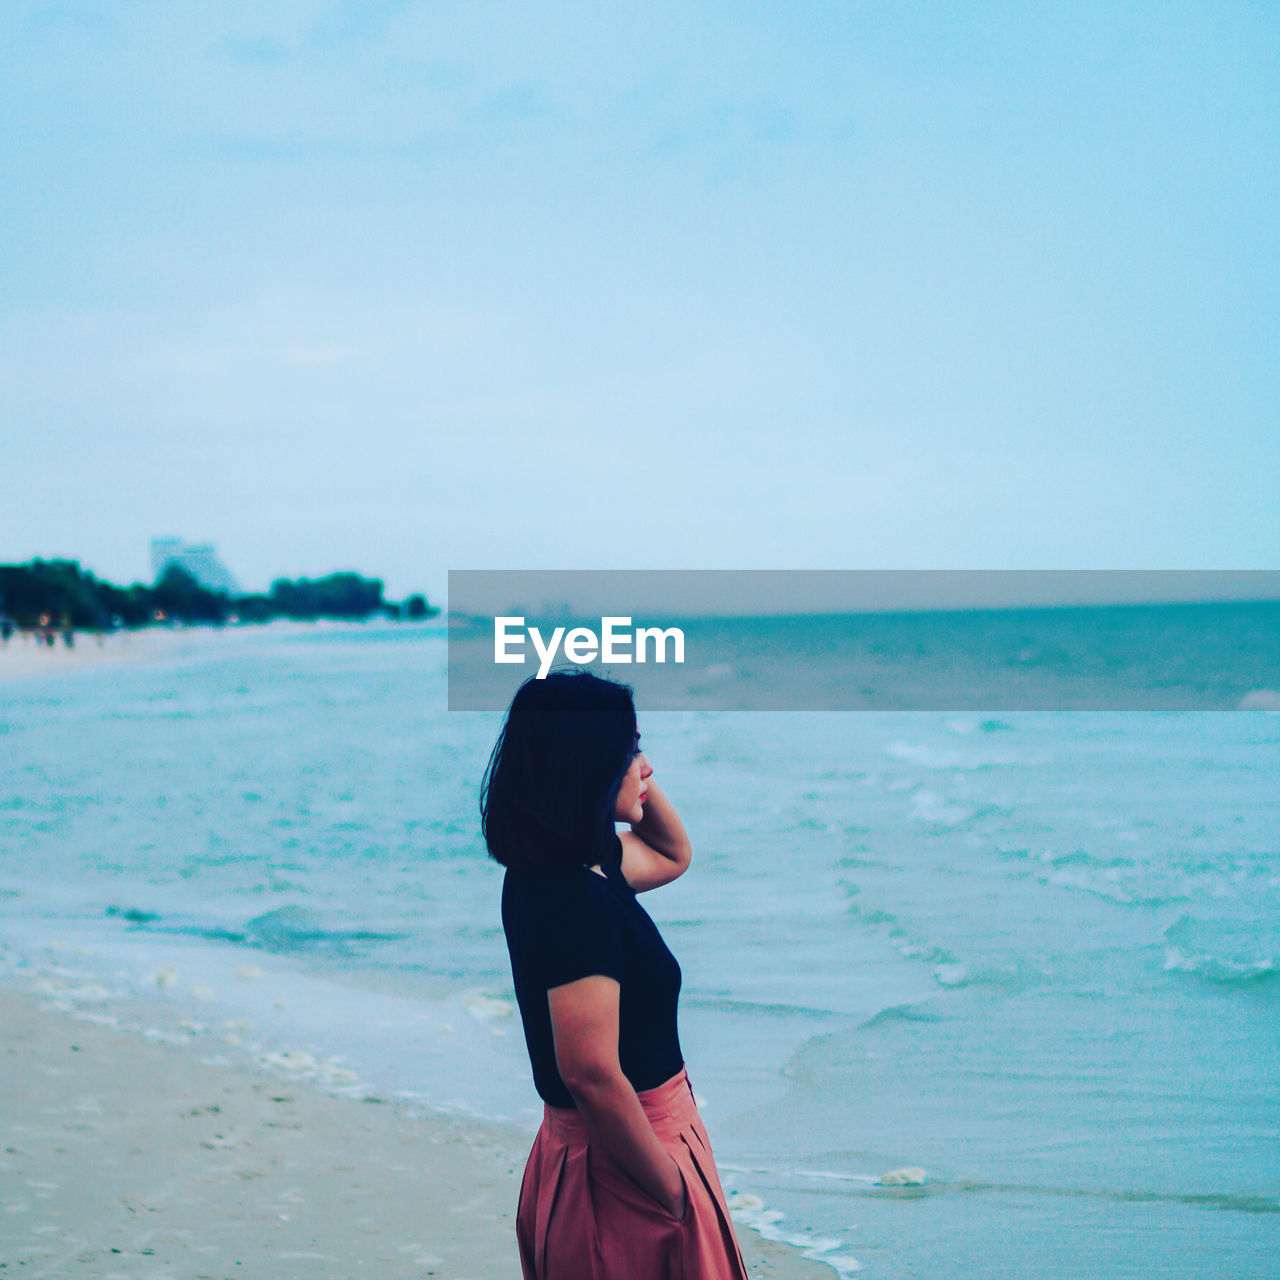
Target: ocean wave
{"x":1231,"y":1202}
{"x":1221,"y":952}
{"x":917,"y":1181}
{"x":929,"y":757}
{"x":285,"y":929}
{"x":298,"y":928}
{"x":1135,"y":881}
{"x":1260,"y":700}
{"x":950,"y":971}
{"x":755,"y":1008}
{"x":1226,"y":972}
{"x":870,"y":864}
{"x":966,"y":726}
{"x":901,"y":1013}
{"x":133,"y":915}
{"x":870,"y":915}
{"x":929,"y":807}
{"x":867,"y":913}
{"x":751,"y":1211}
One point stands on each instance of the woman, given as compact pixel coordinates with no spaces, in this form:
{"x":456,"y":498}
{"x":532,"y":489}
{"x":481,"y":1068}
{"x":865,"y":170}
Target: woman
{"x":620,"y":1182}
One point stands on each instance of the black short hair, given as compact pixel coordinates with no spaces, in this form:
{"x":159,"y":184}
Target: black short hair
{"x":548,"y":794}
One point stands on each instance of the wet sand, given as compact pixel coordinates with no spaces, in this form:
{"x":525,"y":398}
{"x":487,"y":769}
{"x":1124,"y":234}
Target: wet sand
{"x":124,"y":1157}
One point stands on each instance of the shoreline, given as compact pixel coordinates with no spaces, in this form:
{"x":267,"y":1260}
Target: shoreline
{"x":127,"y":1155}
{"x":25,"y":656}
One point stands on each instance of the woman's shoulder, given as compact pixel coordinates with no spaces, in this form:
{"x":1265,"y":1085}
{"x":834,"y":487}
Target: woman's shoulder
{"x":542,"y":911}
{"x":577,"y":884}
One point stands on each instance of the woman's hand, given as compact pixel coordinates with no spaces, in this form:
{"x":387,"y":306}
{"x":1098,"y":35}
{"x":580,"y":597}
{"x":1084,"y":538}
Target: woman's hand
{"x":677,"y":1207}
{"x":656,"y":850}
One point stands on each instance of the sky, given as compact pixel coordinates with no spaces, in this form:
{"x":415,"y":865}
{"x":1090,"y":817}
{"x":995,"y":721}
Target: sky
{"x":405,"y":287}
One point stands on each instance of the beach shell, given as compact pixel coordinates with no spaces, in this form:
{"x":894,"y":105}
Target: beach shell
{"x":290,"y":1060}
{"x":486,"y":1008}
{"x":336,"y":1074}
{"x":90,"y":991}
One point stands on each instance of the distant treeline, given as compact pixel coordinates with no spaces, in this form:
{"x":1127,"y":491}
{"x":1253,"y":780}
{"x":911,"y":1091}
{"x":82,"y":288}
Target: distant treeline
{"x":60,"y":594}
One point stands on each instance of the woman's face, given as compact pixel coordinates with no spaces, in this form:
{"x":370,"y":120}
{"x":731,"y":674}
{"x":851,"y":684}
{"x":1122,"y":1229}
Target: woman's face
{"x":631,"y":794}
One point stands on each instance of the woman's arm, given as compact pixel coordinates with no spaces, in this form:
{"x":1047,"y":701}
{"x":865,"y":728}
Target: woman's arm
{"x":656,"y":850}
{"x":584,"y":1025}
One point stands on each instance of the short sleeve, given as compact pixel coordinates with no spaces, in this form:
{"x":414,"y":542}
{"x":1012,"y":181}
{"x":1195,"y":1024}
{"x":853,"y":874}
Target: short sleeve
{"x":569,"y":931}
{"x":615,"y":854}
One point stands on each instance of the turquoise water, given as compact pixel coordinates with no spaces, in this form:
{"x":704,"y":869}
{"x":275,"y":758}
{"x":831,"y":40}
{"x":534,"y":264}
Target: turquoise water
{"x":1036,"y":956}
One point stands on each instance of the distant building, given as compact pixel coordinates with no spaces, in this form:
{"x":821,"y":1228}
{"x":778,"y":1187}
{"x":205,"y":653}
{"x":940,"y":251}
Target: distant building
{"x":200,"y":560}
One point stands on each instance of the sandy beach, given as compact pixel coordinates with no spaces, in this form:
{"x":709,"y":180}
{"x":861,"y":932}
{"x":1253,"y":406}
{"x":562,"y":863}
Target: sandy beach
{"x":125,"y":1157}
{"x":24,"y":655}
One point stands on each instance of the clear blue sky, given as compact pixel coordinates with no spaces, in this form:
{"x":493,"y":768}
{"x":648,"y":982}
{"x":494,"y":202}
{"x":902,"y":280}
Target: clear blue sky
{"x":406,"y":287}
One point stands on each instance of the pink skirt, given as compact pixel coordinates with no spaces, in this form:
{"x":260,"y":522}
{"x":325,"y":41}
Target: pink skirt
{"x":581,"y":1217}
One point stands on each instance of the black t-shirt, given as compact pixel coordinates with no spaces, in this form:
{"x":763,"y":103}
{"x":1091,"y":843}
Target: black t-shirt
{"x":567,"y":926}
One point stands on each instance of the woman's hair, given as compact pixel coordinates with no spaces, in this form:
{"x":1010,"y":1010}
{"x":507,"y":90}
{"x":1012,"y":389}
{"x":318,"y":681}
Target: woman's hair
{"x":548,"y":795}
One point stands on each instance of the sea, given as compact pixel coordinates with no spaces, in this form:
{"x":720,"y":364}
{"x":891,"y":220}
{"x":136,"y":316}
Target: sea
{"x":965,"y":994}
